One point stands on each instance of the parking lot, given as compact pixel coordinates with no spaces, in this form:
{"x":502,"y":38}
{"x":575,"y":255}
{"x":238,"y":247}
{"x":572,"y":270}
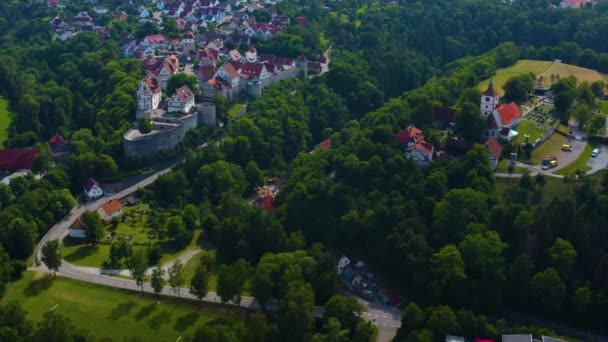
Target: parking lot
{"x":600,"y":162}
{"x":564,"y":158}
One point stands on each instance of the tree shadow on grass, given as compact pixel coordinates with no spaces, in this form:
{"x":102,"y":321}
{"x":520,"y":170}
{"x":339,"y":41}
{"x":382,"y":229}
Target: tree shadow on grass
{"x":122,"y":310}
{"x":81,"y":253}
{"x":157,"y":321}
{"x":186,"y":321}
{"x":37,"y":286}
{"x":145,"y":312}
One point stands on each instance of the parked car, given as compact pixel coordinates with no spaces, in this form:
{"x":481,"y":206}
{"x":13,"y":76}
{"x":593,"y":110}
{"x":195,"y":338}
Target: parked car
{"x":566,"y":147}
{"x":595,"y":152}
{"x":549,"y":163}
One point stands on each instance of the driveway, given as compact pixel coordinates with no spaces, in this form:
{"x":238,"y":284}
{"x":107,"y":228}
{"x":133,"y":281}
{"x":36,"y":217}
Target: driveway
{"x":600,"y":162}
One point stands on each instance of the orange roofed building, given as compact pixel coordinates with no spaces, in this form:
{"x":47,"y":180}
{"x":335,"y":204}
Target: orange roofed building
{"x":110,"y":210}
{"x":418,"y":149}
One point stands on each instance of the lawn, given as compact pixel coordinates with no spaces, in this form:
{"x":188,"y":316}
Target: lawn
{"x":603,"y":107}
{"x":5,"y":120}
{"x":235,"y":110}
{"x":503,"y":167}
{"x":554,"y":187}
{"x":189,"y":269}
{"x":548,"y":148}
{"x":133,"y":227}
{"x":113,"y":313}
{"x":521,"y":67}
{"x":526,"y":127}
{"x":544,"y":69}
{"x":579,"y":164}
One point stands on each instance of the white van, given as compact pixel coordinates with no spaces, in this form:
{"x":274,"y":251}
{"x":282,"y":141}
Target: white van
{"x":595,"y":152}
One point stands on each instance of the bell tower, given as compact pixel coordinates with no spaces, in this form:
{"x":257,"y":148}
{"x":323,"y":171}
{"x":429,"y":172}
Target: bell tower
{"x":489,"y":100}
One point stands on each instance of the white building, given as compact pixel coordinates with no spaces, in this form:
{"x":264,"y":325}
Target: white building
{"x":182,"y":101}
{"x":169,"y":68}
{"x":92,"y":189}
{"x":149,"y":94}
{"x":76,"y":230}
{"x":343,"y":262}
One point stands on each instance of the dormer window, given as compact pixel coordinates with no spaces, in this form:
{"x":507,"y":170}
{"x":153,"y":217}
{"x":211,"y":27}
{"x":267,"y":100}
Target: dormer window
{"x":487,"y":99}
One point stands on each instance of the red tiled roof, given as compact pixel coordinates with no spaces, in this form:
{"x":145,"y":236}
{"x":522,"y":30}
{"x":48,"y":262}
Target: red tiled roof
{"x":494,"y":147}
{"x":56,"y":139}
{"x":230,"y":70}
{"x":410,"y":134}
{"x":424,"y":147}
{"x":89,"y":183}
{"x":184,"y":93}
{"x":206,"y":72}
{"x":78,"y":224}
{"x":17,"y":159}
{"x":265,"y":199}
{"x":575,"y":2}
{"x":153,"y":85}
{"x":252,"y":70}
{"x":478,"y":339}
{"x":508,"y":113}
{"x":325,"y":144}
{"x":111,"y":206}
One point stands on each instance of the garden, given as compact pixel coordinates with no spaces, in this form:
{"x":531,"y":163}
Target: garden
{"x":138,"y":227}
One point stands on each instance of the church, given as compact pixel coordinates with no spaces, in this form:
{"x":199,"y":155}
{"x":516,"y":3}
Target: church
{"x":501,"y":118}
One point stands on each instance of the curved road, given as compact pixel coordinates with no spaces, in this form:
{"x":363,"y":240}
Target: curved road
{"x":386,"y":318}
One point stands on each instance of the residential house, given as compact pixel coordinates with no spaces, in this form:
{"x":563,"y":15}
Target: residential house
{"x":450,"y":338}
{"x":77,"y":229}
{"x":417,"y":149}
{"x":99,"y":9}
{"x":169,"y":68}
{"x":550,"y":339}
{"x":110,"y":210}
{"x":265,"y":199}
{"x":91,"y":188}
{"x":235,"y":55}
{"x":251,"y":71}
{"x":83,"y":19}
{"x":17,"y":159}
{"x":206,"y":72}
{"x":208,"y":57}
{"x":572,"y":3}
{"x":229,"y":74}
{"x":148,"y":94}
{"x":323,"y":145}
{"x":182,"y":101}
{"x":59,"y":146}
{"x":495,"y":149}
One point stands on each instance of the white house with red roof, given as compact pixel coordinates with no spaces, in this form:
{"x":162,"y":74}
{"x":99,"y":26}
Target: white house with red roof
{"x":501,"y":118}
{"x":77,"y":229}
{"x":149,"y":94}
{"x":169,"y":68}
{"x":182,"y":101}
{"x":417,"y":149}
{"x":92,"y":189}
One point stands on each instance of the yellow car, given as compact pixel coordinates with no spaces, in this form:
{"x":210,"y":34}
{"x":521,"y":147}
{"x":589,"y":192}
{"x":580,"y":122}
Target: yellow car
{"x":566,"y":147}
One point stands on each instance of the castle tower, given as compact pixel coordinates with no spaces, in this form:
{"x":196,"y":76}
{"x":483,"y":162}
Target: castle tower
{"x":187,"y":43}
{"x":489,"y":100}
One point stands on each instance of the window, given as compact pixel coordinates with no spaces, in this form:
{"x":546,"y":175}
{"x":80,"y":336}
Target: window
{"x":487,"y":99}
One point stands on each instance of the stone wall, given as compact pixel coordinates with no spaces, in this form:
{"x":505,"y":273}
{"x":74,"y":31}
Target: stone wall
{"x":166,"y":133}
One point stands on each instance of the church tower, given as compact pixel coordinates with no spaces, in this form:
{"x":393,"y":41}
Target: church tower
{"x":489,"y":100}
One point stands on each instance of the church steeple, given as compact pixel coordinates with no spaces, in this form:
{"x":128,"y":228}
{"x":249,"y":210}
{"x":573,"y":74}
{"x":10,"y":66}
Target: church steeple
{"x":489,"y":100}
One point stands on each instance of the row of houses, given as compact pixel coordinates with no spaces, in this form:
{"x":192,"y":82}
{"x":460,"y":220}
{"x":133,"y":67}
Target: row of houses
{"x":505,"y":338}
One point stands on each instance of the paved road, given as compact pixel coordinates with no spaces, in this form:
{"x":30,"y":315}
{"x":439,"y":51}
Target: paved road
{"x":386,"y":318}
{"x":60,"y":230}
{"x":184,"y":258}
{"x":565,"y":158}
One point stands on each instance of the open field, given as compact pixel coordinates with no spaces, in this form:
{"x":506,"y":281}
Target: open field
{"x":580,"y":164}
{"x":5,"y":120}
{"x":544,"y":69}
{"x":96,"y":308}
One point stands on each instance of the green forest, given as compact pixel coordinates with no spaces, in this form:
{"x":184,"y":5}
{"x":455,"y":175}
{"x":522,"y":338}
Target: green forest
{"x":461,"y":254}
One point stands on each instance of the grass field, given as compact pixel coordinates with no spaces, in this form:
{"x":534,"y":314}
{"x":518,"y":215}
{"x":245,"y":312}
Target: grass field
{"x":526,"y":127}
{"x":579,"y":164}
{"x":114,"y":313}
{"x":554,"y":187}
{"x":5,"y":120}
{"x":79,"y":254}
{"x":549,"y":147}
{"x":503,"y":167}
{"x":544,"y":69}
{"x":603,"y":107}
